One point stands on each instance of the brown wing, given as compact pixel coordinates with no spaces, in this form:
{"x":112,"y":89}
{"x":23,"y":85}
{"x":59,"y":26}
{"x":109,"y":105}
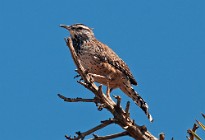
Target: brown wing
{"x":107,"y":54}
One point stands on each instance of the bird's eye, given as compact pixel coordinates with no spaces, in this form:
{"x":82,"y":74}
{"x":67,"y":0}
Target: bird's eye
{"x":80,"y":28}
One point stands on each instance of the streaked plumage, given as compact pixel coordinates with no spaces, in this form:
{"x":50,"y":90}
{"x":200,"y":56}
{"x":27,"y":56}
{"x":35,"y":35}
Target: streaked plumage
{"x":97,"y":58}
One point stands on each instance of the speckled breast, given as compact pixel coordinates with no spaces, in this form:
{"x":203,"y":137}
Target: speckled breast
{"x":90,"y":61}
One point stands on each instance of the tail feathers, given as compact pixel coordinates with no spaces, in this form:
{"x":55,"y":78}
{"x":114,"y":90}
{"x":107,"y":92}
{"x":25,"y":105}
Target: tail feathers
{"x":138,"y":100}
{"x":143,"y":105}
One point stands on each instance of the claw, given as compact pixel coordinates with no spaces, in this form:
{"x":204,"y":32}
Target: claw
{"x":91,"y":77}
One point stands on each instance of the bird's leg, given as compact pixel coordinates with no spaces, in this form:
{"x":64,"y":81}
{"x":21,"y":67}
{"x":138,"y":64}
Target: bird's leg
{"x":106,"y":80}
{"x":108,"y":89}
{"x":93,"y":76}
{"x":96,"y":76}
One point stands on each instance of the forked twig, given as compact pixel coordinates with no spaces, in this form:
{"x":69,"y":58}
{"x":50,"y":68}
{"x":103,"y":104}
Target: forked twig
{"x":95,"y":100}
{"x":84,"y":134}
{"x":195,"y":127}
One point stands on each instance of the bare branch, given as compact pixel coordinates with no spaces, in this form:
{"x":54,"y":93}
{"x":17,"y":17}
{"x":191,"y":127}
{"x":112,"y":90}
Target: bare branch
{"x":82,"y":135}
{"x":162,"y":136}
{"x":188,"y":138}
{"x":118,"y":100}
{"x":75,"y":57}
{"x":203,"y":115}
{"x":195,"y":127}
{"x":127,"y":109}
{"x":113,"y":136}
{"x":95,"y":100}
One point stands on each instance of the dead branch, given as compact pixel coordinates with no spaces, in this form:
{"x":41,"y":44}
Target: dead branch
{"x":203,"y":115}
{"x":121,"y":116}
{"x":162,"y":136}
{"x":195,"y":127}
{"x":95,"y":100}
{"x":118,"y":101}
{"x":127,"y":110}
{"x":113,"y":136}
{"x":83,"y":135}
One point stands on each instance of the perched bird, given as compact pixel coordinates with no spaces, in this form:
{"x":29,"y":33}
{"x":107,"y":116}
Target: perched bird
{"x":104,"y":64}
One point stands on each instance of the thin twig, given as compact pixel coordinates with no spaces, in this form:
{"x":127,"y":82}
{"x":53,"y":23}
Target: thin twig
{"x":118,"y":100}
{"x":100,"y":91}
{"x":127,"y":109}
{"x":95,"y":100}
{"x":200,"y":124}
{"x":74,"y":56}
{"x":203,"y":115}
{"x":195,"y":127}
{"x":112,"y":136}
{"x":82,"y":135}
{"x":161,"y":136}
{"x":188,"y":138}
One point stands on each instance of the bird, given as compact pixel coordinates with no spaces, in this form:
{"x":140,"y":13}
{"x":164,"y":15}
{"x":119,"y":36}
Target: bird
{"x":104,"y":64}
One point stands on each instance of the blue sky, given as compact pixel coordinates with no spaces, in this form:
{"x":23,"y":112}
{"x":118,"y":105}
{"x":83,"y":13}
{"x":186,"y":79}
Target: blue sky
{"x":163,"y":42}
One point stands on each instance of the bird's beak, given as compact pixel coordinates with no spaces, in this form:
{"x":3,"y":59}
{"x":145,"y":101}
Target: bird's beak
{"x":65,"y":26}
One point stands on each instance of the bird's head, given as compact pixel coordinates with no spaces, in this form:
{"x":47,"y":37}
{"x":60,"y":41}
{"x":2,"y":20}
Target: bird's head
{"x":79,"y":31}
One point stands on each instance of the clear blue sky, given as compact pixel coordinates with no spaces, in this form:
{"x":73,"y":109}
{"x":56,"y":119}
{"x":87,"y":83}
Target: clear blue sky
{"x":163,"y":42}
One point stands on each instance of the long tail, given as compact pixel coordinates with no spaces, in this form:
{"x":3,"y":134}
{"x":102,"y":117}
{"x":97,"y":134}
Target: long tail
{"x":128,"y":90}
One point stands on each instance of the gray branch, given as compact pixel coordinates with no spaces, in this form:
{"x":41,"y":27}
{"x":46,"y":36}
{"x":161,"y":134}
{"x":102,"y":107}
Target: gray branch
{"x":82,"y":135}
{"x":113,"y":136}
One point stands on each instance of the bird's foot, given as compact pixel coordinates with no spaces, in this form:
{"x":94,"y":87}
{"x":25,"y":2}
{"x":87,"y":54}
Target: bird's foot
{"x":91,"y":77}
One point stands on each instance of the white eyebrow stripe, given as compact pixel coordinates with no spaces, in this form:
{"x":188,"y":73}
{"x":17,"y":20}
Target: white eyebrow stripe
{"x":82,"y":26}
{"x":85,"y":27}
